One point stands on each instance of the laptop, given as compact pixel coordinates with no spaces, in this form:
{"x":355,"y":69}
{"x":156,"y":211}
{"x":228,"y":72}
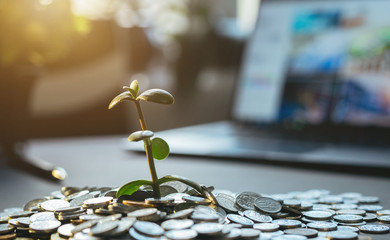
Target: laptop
{"x":313,"y":90}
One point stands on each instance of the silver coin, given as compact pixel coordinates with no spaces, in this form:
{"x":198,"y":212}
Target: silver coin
{"x":43,"y":216}
{"x":208,"y":228}
{"x":33,"y":203}
{"x":143,"y":212}
{"x":257,"y":217}
{"x":84,"y":236}
{"x":13,"y":210}
{"x":351,"y":212}
{"x":330,"y":200}
{"x":178,"y":197}
{"x":205,"y":217}
{"x":322,"y":226}
{"x":162,"y":200}
{"x":68,"y":209}
{"x":368,"y":200}
{"x":103,"y":228}
{"x":76,"y":195}
{"x":249,"y":233}
{"x":233,"y":233}
{"x":54,"y":204}
{"x":384,"y":219}
{"x":318,"y":215}
{"x":179,"y":186}
{"x":20,"y":214}
{"x":65,"y":230}
{"x":226,"y":202}
{"x":246,"y":200}
{"x":174,"y":224}
{"x":352,"y":224}
{"x":138,"y":236}
{"x":23,"y":221}
{"x":80,"y":200}
{"x":123,"y":226}
{"x":148,"y":228}
{"x":342,"y":235}
{"x":181,"y":234}
{"x":5,"y":229}
{"x":370,"y":217}
{"x":166,"y":190}
{"x":88,"y":217}
{"x":348,"y":228}
{"x":287,"y":223}
{"x":45,"y":226}
{"x":240,"y":219}
{"x":307,"y":232}
{"x":98,"y":202}
{"x":83,"y":226}
{"x":181,"y":214}
{"x":383,"y":212}
{"x":293,"y":203}
{"x":197,"y":200}
{"x":370,"y":208}
{"x":266,"y":227}
{"x":343,"y":206}
{"x":347,"y":218}
{"x":374,"y":228}
{"x":289,"y":237}
{"x":267,"y":205}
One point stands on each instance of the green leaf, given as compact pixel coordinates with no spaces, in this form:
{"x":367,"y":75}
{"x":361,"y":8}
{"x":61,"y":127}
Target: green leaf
{"x":160,"y":148}
{"x":140,"y":135}
{"x":130,"y":187}
{"x":131,"y":91}
{"x":121,"y":97}
{"x":157,"y":96}
{"x":184,"y":180}
{"x":135,"y":86}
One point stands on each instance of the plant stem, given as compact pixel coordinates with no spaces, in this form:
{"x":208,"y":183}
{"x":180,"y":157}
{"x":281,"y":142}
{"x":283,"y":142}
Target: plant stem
{"x":149,"y":155}
{"x":141,"y":116}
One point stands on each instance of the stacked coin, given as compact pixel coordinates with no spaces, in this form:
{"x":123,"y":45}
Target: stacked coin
{"x":182,"y":213}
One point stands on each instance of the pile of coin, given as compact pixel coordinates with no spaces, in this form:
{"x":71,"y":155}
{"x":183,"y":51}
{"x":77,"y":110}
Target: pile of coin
{"x":182,"y":213}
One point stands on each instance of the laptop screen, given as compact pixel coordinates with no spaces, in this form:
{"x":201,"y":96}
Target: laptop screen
{"x":317,"y":62}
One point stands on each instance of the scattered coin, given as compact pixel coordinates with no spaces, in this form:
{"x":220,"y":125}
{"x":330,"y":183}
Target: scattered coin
{"x":342,"y":235}
{"x":54,"y":204}
{"x":384,"y":219}
{"x":207,"y":228}
{"x":322,"y":226}
{"x":383,"y":212}
{"x":65,"y":230}
{"x":257,"y":217}
{"x":266,"y":227}
{"x":249,"y":233}
{"x":246,"y":200}
{"x":45,"y":226}
{"x":348,"y":218}
{"x":307,"y":232}
{"x":227,"y":202}
{"x":246,"y":222}
{"x":175,"y":224}
{"x":196,"y":200}
{"x":182,"y":234}
{"x":267,"y":205}
{"x":148,"y":228}
{"x":287,"y":223}
{"x":103,"y":228}
{"x":374,"y":228}
{"x":347,"y":228}
{"x":318,"y":215}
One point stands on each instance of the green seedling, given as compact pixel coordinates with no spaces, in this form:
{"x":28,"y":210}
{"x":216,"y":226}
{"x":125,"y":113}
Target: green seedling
{"x":155,"y":148}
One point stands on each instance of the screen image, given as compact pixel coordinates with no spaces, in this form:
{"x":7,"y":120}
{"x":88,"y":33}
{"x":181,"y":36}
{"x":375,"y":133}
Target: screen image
{"x":322,"y":62}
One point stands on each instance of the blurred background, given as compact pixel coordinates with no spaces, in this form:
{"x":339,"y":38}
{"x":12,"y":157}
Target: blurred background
{"x":62,"y":61}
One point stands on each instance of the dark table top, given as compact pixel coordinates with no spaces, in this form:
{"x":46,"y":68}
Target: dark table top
{"x":101,"y":161}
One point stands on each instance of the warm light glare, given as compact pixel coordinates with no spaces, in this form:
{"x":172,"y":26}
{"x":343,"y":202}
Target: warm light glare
{"x":45,"y":2}
{"x":95,"y":9}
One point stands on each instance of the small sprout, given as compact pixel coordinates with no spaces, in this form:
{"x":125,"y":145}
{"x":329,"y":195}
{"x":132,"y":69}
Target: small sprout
{"x":156,"y":148}
{"x":157,"y":96}
{"x":140,"y":135}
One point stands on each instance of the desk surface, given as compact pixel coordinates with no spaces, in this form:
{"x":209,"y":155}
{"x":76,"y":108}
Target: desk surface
{"x":100,"y":161}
